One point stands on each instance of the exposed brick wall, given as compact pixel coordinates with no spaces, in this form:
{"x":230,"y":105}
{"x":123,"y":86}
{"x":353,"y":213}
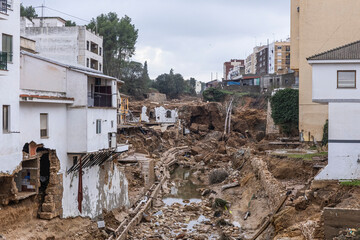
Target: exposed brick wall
{"x":52,"y":206}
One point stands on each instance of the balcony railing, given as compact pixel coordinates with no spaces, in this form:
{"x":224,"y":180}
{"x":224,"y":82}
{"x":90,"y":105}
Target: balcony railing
{"x":3,"y":60}
{"x":3,"y":6}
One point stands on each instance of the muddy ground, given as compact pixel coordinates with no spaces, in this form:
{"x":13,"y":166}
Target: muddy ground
{"x":191,"y":204}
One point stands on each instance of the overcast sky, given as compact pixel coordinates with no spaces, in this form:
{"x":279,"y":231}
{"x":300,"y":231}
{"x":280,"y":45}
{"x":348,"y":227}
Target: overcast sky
{"x":194,"y":37}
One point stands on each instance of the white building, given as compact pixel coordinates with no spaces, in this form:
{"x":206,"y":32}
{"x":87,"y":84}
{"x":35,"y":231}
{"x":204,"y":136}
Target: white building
{"x":198,"y":87}
{"x":75,"y":109}
{"x":335,"y":82}
{"x":10,"y":152}
{"x":69,"y":45}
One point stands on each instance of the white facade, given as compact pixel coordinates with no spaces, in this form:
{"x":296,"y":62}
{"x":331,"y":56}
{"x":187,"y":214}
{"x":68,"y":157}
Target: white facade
{"x":198,"y":87}
{"x":10,"y":151}
{"x":344,"y":115}
{"x":66,"y":95}
{"x":48,"y":22}
{"x":69,"y":45}
{"x":272,"y":57}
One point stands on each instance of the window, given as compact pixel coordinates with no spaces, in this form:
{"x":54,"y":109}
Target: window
{"x":98,"y":126}
{"x":279,"y":60}
{"x":44,"y":131}
{"x":112,"y":124}
{"x":279,"y":54}
{"x":346,"y":79}
{"x":100,"y":66}
{"x":288,"y":48}
{"x":7,"y":46}
{"x":168,"y":114}
{"x":75,"y":160}
{"x":87,"y":45}
{"x":87,"y":62}
{"x":100,"y":51}
{"x":6,"y":118}
{"x":279,"y":47}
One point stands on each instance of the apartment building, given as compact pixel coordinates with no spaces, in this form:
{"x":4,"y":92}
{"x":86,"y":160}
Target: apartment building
{"x":69,"y":45}
{"x":229,"y":66}
{"x":10,"y":151}
{"x":262,"y":61}
{"x":279,"y":57}
{"x":251,"y":60}
{"x":317,"y":26}
{"x":69,"y":125}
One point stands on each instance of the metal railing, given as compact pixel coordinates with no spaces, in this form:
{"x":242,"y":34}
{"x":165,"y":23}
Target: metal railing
{"x":3,"y":60}
{"x":3,"y":6}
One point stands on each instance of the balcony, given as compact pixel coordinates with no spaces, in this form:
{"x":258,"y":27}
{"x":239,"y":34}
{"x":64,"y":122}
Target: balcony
{"x":4,"y":60}
{"x":100,"y":97}
{"x":3,"y":6}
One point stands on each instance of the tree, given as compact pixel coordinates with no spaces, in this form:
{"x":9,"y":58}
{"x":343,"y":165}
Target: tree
{"x":28,"y":12}
{"x":70,"y":23}
{"x":171,"y":84}
{"x":120,"y":37}
{"x":133,"y":76}
{"x":285,"y":110}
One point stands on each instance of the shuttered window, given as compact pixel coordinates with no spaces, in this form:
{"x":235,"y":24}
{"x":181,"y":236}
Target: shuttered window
{"x":6,"y":118}
{"x":346,"y":79}
{"x":98,"y":126}
{"x":44,"y":131}
{"x":7,"y":46}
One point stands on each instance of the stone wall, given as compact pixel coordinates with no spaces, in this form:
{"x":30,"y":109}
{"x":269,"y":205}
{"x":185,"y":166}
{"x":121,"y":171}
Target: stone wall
{"x":52,"y":206}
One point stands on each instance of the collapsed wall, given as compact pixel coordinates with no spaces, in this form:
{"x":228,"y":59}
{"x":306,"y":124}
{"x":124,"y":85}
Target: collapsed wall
{"x":104,"y":187}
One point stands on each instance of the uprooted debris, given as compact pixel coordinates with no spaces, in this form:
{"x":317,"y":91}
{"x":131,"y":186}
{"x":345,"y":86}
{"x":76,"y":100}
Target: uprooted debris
{"x":246,"y":185}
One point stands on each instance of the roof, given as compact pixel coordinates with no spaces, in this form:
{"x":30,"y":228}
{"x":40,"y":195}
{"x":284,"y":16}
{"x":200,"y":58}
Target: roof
{"x":349,"y":51}
{"x":89,"y":72}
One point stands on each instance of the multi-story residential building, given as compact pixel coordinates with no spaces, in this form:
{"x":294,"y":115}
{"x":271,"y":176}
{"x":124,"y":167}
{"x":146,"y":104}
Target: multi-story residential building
{"x":251,"y":60}
{"x":279,"y":57}
{"x":335,"y":81}
{"x":69,"y":45}
{"x":71,"y":111}
{"x":315,"y":27}
{"x":262,"y":61}
{"x":229,"y":66}
{"x":10,"y":151}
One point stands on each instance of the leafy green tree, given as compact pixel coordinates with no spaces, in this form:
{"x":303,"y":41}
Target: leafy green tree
{"x":132,"y":74}
{"x":173,"y":85}
{"x":28,"y":12}
{"x":70,"y":23}
{"x":285,"y":110}
{"x":120,"y":37}
{"x":213,"y":95}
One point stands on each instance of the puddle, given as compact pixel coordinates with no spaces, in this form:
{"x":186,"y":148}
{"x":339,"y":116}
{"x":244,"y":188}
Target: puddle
{"x":183,"y":190}
{"x":236,"y":224}
{"x":191,"y":224}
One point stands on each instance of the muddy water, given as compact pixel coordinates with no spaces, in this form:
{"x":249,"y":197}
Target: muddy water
{"x":183,"y":190}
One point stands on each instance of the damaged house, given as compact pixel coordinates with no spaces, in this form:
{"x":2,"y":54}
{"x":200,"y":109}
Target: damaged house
{"x":68,"y":137}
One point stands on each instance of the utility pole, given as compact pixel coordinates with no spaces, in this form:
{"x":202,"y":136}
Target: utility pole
{"x":42,"y":15}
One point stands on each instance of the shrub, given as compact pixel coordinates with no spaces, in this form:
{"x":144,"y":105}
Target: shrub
{"x":325,"y":133}
{"x":213,"y":95}
{"x":285,"y":110}
{"x":218,"y":176}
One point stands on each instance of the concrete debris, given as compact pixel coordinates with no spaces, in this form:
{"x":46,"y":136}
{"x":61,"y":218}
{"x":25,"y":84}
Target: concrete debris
{"x":187,"y":180}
